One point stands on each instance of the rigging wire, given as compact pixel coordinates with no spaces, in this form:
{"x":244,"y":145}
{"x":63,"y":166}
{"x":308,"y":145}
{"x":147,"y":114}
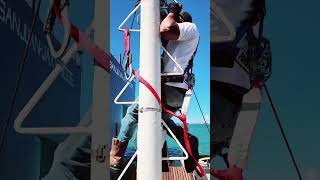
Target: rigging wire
{"x":282,"y":131}
{"x":204,"y":119}
{"x":16,"y":89}
{"x":284,"y":136}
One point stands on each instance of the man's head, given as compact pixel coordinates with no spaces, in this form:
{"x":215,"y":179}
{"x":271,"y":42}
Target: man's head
{"x":185,"y":17}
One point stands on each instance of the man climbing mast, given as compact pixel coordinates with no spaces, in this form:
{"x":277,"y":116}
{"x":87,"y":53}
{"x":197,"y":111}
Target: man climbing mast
{"x":236,"y":81}
{"x":180,"y":37}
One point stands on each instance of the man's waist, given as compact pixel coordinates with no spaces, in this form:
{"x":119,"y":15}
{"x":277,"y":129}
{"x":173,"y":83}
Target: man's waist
{"x":230,"y":91}
{"x":182,"y":81}
{"x":183,"y":86}
{"x":172,"y":78}
{"x":234,"y":75}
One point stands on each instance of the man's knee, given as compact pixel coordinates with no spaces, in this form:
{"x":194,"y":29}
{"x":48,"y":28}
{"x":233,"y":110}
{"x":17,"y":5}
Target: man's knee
{"x":132,"y":113}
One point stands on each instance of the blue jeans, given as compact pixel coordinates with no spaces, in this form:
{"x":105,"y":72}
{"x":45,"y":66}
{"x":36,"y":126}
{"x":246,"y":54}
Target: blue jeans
{"x":172,"y":98}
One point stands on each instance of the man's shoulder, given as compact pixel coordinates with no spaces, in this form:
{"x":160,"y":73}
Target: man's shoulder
{"x":188,"y":27}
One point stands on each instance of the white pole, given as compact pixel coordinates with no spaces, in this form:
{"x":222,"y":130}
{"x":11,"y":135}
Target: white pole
{"x":149,"y":126}
{"x":101,"y":101}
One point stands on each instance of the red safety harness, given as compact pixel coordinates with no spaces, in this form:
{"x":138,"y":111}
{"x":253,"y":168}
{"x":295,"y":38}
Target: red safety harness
{"x":182,"y":117}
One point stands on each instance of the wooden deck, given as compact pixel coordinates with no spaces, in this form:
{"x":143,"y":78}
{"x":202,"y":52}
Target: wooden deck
{"x":177,"y":173}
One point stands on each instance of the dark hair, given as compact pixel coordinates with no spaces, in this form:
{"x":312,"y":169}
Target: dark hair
{"x":185,"y":16}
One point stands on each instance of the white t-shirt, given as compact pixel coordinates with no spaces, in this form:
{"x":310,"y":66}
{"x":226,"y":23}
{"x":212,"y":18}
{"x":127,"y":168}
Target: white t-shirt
{"x":235,"y":11}
{"x":182,"y":49}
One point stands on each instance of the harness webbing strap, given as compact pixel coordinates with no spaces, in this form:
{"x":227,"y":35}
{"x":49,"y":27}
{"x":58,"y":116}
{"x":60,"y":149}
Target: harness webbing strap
{"x":127,"y":42}
{"x":181,"y":117}
{"x":100,"y":56}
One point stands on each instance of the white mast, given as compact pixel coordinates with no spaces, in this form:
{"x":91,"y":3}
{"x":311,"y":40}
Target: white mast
{"x":149,"y":126}
{"x":101,"y":102}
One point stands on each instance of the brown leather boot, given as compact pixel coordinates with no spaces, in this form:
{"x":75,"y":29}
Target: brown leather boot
{"x":118,"y":149}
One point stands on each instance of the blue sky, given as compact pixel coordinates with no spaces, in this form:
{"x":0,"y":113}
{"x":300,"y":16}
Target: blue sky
{"x":201,"y":16}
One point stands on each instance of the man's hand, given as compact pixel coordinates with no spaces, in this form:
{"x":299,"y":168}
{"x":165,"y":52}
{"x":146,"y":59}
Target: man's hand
{"x":232,"y":173}
{"x":174,"y":8}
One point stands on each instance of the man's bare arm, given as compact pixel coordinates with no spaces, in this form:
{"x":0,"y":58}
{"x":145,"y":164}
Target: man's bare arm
{"x":169,"y":28}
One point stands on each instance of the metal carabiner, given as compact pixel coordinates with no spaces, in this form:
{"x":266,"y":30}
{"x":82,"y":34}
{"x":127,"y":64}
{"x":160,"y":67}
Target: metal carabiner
{"x":128,"y":64}
{"x":63,"y":6}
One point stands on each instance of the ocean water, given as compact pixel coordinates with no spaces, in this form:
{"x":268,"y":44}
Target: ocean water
{"x":199,"y":130}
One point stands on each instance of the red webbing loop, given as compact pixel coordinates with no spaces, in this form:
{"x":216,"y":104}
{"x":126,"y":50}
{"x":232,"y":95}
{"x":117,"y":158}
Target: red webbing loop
{"x":147,"y":85}
{"x":257,"y":83}
{"x":199,"y":171}
{"x":182,"y":117}
{"x":127,"y":41}
{"x":100,"y":56}
{"x":127,"y":49}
